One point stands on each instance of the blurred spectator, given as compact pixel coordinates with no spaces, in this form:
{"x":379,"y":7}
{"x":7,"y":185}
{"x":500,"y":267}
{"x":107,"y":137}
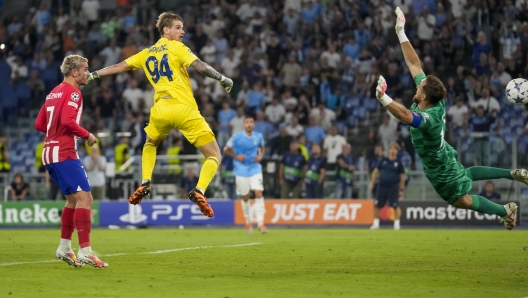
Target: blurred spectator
{"x":95,"y":165}
{"x":281,"y":143}
{"x":333,"y":146}
{"x":290,"y":72}
{"x":490,"y":103}
{"x":387,"y":132}
{"x":323,"y":115}
{"x":489,"y":192}
{"x":173,"y":154}
{"x":362,"y":35}
{"x":208,"y":52}
{"x":42,"y":17}
{"x":5,"y":166}
{"x":481,"y":122}
{"x":251,"y":71}
{"x":148,"y":99}
{"x":138,"y":136}
{"x":78,"y":16}
{"x":221,"y":45}
{"x":132,"y":96}
{"x":121,"y":152}
{"x":229,"y":64}
{"x":294,"y":129}
{"x":129,"y":49}
{"x":509,"y":42}
{"x":314,"y":133}
{"x":91,"y":10}
{"x":263,"y":126}
{"x":111,"y":53}
{"x":315,"y":174}
{"x":481,"y":46}
{"x":457,"y":118}
{"x":334,"y":58}
{"x":237,"y":123}
{"x":504,"y":77}
{"x":291,"y":172}
{"x":37,"y":87}
{"x":225,"y":115}
{"x":19,"y":71}
{"x":19,"y":189}
{"x":255,"y":99}
{"x":351,"y":48}
{"x":426,"y":24}
{"x":188,"y":182}
{"x":345,"y":173}
{"x":228,"y":178}
{"x":61,"y":19}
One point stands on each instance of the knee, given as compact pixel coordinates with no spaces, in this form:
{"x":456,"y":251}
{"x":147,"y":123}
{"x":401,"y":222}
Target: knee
{"x":464,"y":202}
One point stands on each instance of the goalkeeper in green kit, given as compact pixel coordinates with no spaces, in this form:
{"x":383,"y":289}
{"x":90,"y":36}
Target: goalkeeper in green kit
{"x":427,"y":119}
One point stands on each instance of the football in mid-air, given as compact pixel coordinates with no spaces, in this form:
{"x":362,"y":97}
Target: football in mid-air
{"x":517,"y":91}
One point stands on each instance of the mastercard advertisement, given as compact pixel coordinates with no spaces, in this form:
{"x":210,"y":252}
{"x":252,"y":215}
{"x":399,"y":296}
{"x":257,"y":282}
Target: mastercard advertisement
{"x":298,"y":212}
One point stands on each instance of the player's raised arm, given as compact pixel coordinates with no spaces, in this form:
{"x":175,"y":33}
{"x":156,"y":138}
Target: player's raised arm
{"x":395,"y":108}
{"x":110,"y":70}
{"x":208,"y":71}
{"x":411,"y":59}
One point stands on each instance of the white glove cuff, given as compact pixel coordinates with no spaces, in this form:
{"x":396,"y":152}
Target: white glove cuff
{"x":402,"y":37}
{"x":385,"y":100}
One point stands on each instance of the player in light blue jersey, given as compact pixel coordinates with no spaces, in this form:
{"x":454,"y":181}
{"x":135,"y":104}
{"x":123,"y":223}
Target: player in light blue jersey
{"x":247,"y":149}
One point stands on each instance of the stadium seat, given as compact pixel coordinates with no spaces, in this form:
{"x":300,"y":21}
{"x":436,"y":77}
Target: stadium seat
{"x":23,"y":94}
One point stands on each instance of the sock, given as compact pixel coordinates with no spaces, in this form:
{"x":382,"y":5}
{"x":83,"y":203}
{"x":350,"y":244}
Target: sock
{"x":207,"y":173}
{"x":83,"y":222}
{"x":245,"y":210}
{"x":65,"y":245}
{"x":85,"y":250}
{"x":148,"y":160}
{"x":396,"y":222}
{"x":260,"y":209}
{"x":67,"y":223}
{"x":376,"y":222}
{"x":483,"y":205}
{"x":486,"y":173}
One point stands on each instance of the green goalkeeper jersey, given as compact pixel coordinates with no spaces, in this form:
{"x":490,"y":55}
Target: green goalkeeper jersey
{"x":440,"y":164}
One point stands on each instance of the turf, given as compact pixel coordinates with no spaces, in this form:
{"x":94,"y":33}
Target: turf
{"x":287,"y":263}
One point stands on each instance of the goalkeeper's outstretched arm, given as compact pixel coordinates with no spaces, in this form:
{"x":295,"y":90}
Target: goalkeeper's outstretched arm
{"x":209,"y":71}
{"x":110,"y":70}
{"x":411,"y":59}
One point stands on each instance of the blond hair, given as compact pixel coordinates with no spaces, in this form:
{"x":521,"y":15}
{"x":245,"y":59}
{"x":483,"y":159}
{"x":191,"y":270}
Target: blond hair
{"x":70,"y":63}
{"x":166,"y":19}
{"x":395,"y":145}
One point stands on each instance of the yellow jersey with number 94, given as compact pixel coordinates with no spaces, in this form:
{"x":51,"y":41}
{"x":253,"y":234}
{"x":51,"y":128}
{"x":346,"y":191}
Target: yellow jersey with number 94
{"x":165,"y":65}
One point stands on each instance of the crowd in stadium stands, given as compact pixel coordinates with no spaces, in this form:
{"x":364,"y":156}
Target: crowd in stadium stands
{"x":306,"y":69}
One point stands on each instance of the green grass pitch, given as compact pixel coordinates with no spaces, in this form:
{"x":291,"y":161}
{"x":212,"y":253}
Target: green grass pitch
{"x":306,"y":262}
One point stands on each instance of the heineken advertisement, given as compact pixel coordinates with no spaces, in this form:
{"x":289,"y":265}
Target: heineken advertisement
{"x":37,"y":213}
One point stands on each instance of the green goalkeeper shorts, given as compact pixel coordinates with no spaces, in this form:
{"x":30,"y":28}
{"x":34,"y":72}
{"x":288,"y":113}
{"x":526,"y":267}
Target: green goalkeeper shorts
{"x":451,"y":181}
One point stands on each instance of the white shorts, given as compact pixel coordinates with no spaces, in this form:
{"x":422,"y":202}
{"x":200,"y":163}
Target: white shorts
{"x":246,"y":184}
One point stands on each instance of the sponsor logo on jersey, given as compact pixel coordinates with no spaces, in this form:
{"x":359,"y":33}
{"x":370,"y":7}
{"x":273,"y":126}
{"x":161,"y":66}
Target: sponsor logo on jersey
{"x":425,"y":117}
{"x":54,"y":95}
{"x":75,"y":96}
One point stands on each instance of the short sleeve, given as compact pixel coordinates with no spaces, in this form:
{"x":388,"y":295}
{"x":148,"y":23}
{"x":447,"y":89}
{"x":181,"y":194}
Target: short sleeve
{"x":136,"y":61}
{"x":261,"y":140}
{"x":419,"y":78}
{"x":184,"y":54}
{"x":401,"y":169}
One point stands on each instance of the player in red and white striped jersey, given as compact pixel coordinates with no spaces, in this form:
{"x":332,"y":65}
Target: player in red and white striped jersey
{"x":59,"y":118}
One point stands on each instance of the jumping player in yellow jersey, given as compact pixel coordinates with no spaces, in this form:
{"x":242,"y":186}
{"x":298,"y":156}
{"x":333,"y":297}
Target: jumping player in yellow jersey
{"x":165,"y":65}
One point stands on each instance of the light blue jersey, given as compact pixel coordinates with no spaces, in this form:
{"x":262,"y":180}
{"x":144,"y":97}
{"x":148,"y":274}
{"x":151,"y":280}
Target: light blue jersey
{"x":247,"y":145}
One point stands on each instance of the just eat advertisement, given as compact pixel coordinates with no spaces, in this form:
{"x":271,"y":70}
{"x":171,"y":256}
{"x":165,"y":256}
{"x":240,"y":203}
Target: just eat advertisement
{"x":310,"y":212}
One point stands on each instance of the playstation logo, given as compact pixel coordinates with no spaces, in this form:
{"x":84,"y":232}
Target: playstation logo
{"x":134,"y":215}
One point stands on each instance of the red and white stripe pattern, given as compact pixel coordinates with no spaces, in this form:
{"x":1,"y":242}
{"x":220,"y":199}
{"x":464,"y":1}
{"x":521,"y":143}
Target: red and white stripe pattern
{"x":50,"y":155}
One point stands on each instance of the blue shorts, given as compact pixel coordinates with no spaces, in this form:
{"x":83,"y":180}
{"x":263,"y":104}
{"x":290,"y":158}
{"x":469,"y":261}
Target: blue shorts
{"x":69,"y":175}
{"x":385,"y":194}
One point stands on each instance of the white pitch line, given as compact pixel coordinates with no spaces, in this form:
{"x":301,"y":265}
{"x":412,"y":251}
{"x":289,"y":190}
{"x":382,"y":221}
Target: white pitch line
{"x":199,"y":247}
{"x":143,"y":253}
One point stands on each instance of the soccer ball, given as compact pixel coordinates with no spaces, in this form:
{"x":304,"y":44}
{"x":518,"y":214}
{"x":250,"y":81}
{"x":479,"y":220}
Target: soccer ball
{"x":517,"y":91}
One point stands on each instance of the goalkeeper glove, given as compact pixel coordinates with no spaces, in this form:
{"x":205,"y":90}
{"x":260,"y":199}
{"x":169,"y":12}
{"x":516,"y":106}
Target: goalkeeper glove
{"x":380,"y":92}
{"x":226,"y":83}
{"x":400,"y":25}
{"x":93,"y":76}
